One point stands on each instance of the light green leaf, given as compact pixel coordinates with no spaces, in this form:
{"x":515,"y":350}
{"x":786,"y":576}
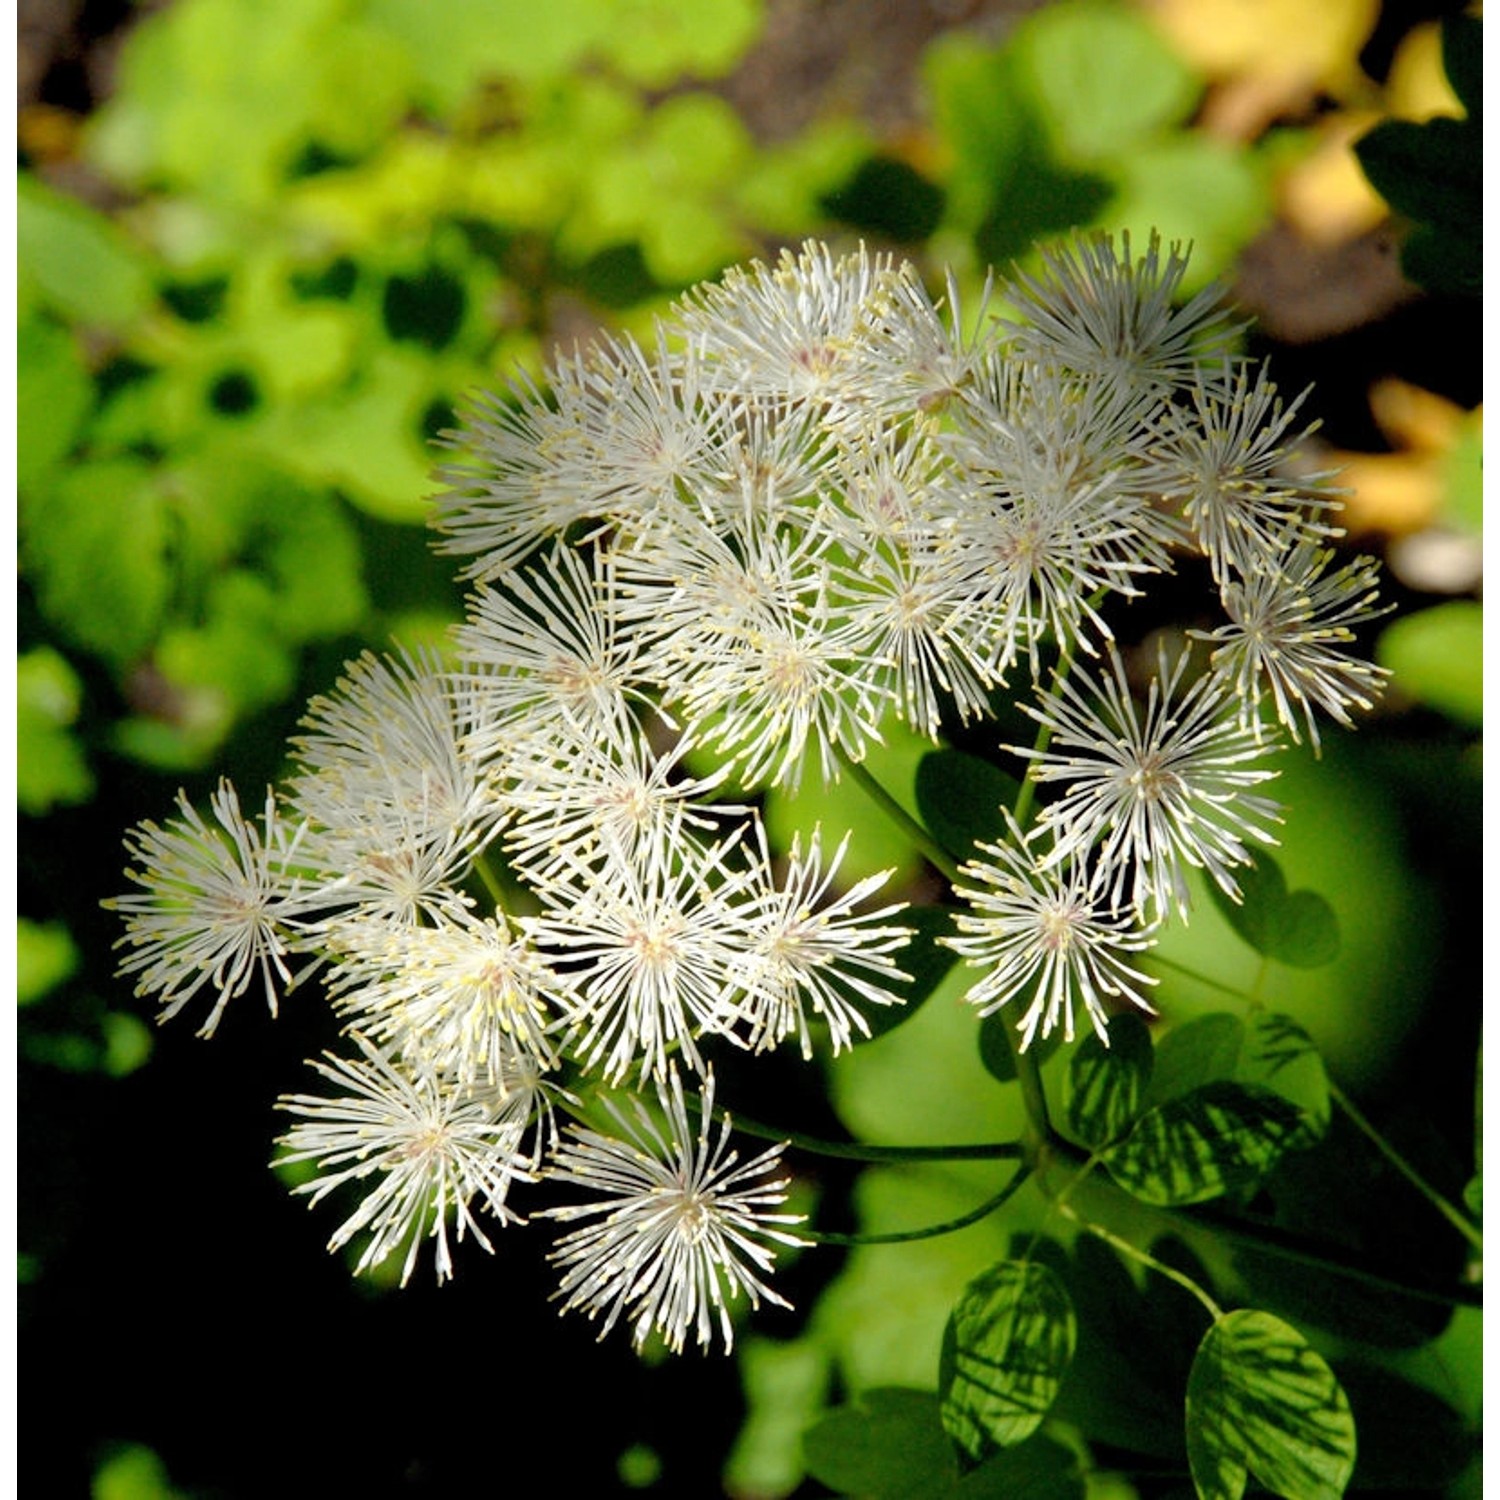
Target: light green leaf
{"x":1105,"y":78}
{"x":1106,"y":1084}
{"x":95,"y":543}
{"x":1262,"y":1404}
{"x":1298,"y":928}
{"x":50,"y":764}
{"x":80,"y":260}
{"x":53,"y":395}
{"x":1215,"y":1140}
{"x":45,"y":956}
{"x":1007,"y":1347}
{"x":1436,"y":657}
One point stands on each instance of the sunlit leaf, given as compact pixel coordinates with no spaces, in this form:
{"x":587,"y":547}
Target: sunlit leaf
{"x":1298,"y":928}
{"x":1106,"y":1084}
{"x":84,"y":265}
{"x":50,"y":764}
{"x":45,"y":956}
{"x":1198,"y":1146}
{"x":1007,"y":1347}
{"x":53,"y":394}
{"x":1435,"y":656}
{"x":1262,"y":1404}
{"x":1105,"y":77}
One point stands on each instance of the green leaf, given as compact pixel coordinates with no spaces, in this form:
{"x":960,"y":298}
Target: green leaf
{"x":50,"y":764}
{"x":45,"y":956}
{"x":80,"y":260}
{"x":1104,"y":76}
{"x":1215,"y":1140}
{"x":962,"y":800}
{"x":1436,"y":657}
{"x":1039,"y":1469}
{"x":95,"y":543}
{"x":1278,"y":1054}
{"x":1203,"y":1050}
{"x":1106,"y":1084}
{"x":1297,"y":928}
{"x":887,"y":1444}
{"x":53,"y":395}
{"x":1008,"y":1344}
{"x":1262,"y":1404}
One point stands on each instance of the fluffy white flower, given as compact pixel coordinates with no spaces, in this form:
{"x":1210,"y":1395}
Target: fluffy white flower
{"x":1047,"y":932}
{"x":217,"y":906}
{"x":681,"y":1229}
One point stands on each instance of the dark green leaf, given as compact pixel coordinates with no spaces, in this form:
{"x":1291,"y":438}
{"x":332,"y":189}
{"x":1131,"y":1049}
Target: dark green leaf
{"x":1039,"y":1469}
{"x":1463,"y":60}
{"x":962,"y":800}
{"x":1106,"y":1084}
{"x":1262,"y":1403}
{"x":924,"y":959}
{"x":1215,"y":1140}
{"x":1007,"y":1346}
{"x":998,"y":1041}
{"x":1297,"y":928}
{"x":1203,"y":1050}
{"x":888,"y":1444}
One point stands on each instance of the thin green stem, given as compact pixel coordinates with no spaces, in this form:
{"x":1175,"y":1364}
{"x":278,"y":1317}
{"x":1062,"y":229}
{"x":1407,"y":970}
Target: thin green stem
{"x":1464,"y":1226}
{"x":1200,"y":978}
{"x":934,"y":852}
{"x":1027,"y":1073}
{"x":1022,"y":810}
{"x":858,"y":1151}
{"x":1134,"y":1252}
{"x":930,"y":1231}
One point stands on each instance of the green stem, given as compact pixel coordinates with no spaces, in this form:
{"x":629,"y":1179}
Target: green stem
{"x":1134,"y":1252}
{"x":1028,"y":1074}
{"x":934,"y":852}
{"x":858,"y":1151}
{"x":1200,"y":978}
{"x":931,"y":1231}
{"x":1469,"y":1231}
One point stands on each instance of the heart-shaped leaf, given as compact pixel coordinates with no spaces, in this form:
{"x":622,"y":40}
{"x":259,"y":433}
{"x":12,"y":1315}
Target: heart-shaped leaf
{"x":1296,"y":928}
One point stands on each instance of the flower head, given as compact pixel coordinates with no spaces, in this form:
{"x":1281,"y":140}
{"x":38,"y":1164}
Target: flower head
{"x":1047,"y":931}
{"x":1153,"y":792}
{"x":428,"y":1148}
{"x":217,"y":906}
{"x":681,"y":1228}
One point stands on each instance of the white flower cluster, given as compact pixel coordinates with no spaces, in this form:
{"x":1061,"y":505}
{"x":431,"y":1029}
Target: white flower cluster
{"x":816,"y":505}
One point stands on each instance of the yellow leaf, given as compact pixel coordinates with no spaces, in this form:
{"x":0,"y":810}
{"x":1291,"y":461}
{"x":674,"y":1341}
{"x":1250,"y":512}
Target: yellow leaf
{"x":1326,"y":197}
{"x":1417,"y":86}
{"x":1306,"y":46}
